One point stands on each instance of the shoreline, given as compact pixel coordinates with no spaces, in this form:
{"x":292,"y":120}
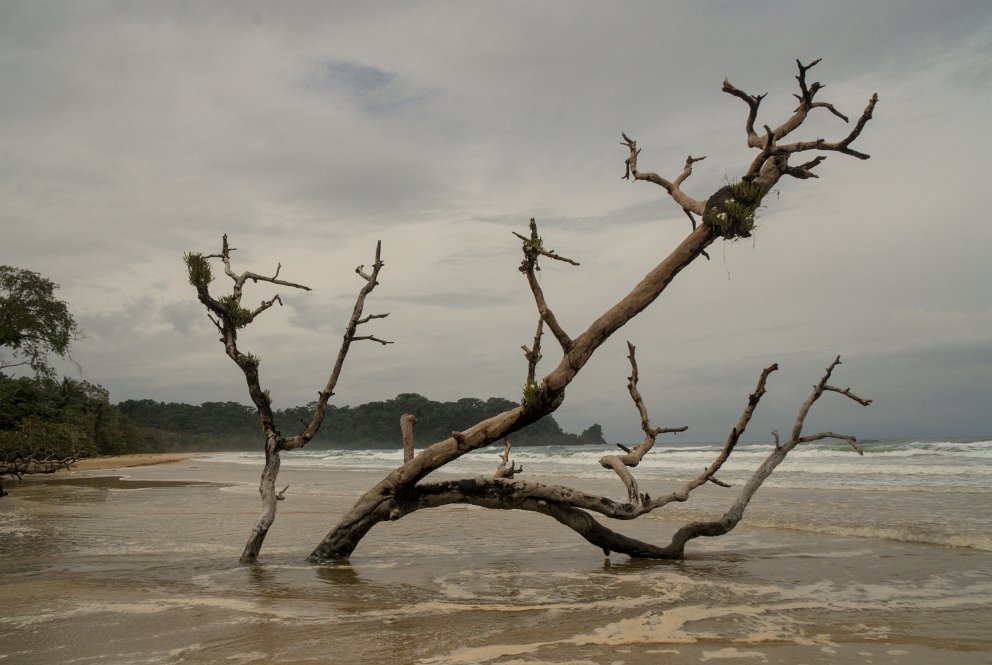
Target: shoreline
{"x":144,"y":570}
{"x":113,"y":462}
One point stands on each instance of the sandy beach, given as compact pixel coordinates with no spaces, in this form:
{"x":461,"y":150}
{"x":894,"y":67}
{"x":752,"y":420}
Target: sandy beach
{"x":138,"y":564}
{"x":113,"y":462}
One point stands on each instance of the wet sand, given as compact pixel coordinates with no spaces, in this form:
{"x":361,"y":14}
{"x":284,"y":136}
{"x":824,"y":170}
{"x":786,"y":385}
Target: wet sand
{"x":125,"y":461}
{"x":143,"y":569}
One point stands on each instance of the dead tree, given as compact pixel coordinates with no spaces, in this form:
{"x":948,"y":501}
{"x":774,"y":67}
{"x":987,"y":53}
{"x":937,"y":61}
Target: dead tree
{"x":229,"y":316}
{"x":727,"y":213}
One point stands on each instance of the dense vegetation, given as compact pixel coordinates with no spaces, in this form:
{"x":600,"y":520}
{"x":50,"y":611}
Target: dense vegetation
{"x":48,"y":421}
{"x":43,"y":418}
{"x":33,"y":322}
{"x":233,"y":426}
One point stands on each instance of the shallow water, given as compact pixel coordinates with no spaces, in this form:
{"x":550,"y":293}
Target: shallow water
{"x":100,"y":570}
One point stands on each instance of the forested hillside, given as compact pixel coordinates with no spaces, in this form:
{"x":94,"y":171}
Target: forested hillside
{"x":44,"y":421}
{"x":233,"y":426}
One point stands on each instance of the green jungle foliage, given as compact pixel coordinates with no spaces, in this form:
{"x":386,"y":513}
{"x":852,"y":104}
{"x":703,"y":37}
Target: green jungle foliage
{"x":33,"y":322}
{"x":44,"y":418}
{"x":233,"y":426}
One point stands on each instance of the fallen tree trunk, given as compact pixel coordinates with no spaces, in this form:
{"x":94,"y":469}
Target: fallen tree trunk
{"x":728,"y":213}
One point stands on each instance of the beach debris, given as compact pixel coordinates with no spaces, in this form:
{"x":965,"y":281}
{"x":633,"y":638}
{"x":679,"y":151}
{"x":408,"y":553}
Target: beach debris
{"x":506,"y":468}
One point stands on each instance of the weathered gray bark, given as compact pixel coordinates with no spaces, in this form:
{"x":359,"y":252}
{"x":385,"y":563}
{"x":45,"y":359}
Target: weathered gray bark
{"x":726,"y":213}
{"x":633,"y":457}
{"x":572,"y":507}
{"x":506,"y":468}
{"x":229,"y":317}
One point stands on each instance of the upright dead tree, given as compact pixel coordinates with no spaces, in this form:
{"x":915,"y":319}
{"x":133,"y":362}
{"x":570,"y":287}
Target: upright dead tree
{"x":727,"y":213}
{"x":229,"y":316}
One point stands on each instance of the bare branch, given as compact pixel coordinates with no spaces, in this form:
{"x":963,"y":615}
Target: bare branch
{"x":753,"y":102}
{"x":772,"y":162}
{"x":371,"y":281}
{"x":535,"y":245}
{"x":265,"y":305}
{"x":847,"y":393}
{"x":532,"y":248}
{"x":804,"y":171}
{"x":533,"y":355}
{"x":370,"y":338}
{"x":830,"y":107}
{"x":821,"y":387}
{"x":632,"y":458}
{"x":683,"y":492}
{"x":673,"y":189}
{"x":371,"y":317}
{"x":842,"y":146}
{"x":506,"y":468}
{"x":851,"y":441}
{"x":687,"y":169}
{"x":255,"y":277}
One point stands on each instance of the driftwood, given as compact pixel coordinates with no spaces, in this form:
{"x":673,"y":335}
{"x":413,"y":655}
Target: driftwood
{"x":407,"y":421}
{"x":506,"y":468}
{"x":727,"y":213}
{"x":27,"y":465}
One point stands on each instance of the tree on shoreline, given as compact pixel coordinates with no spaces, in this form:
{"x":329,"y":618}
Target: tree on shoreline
{"x":33,"y":322}
{"x":37,"y":435}
{"x":728,"y":213}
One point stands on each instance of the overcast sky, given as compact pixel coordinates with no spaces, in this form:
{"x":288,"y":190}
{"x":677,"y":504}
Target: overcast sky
{"x":132,"y":132}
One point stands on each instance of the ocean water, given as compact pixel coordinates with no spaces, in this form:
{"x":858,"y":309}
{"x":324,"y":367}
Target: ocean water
{"x":936,"y":492}
{"x":842,"y":559}
{"x":932,"y":466}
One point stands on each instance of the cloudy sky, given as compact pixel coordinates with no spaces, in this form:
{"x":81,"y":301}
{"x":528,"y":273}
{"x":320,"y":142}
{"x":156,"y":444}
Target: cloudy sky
{"x":131,"y":132}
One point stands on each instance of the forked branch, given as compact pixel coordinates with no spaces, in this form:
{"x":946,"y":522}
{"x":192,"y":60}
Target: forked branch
{"x":533,"y":247}
{"x":773,"y":160}
{"x":573,"y":507}
{"x":674,"y":190}
{"x":621,"y":463}
{"x":533,"y":354}
{"x":731,"y":518}
{"x":506,"y":468}
{"x":229,"y":316}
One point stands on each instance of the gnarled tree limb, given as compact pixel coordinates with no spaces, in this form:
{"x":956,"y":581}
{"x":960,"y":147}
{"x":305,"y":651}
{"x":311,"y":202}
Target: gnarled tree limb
{"x":404,"y":490}
{"x":633,"y":457}
{"x":773,"y":160}
{"x":229,"y":317}
{"x":673,"y":188}
{"x":533,"y":247}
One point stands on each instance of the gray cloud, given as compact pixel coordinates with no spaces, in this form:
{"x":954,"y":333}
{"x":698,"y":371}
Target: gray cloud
{"x":307,"y":131}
